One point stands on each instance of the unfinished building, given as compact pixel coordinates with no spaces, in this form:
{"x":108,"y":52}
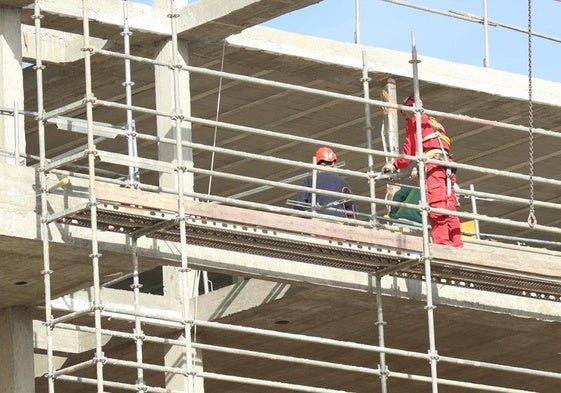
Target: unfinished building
{"x":150,"y":155}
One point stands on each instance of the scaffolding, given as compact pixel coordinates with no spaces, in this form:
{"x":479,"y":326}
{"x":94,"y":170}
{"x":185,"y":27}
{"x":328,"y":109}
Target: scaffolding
{"x":129,"y":207}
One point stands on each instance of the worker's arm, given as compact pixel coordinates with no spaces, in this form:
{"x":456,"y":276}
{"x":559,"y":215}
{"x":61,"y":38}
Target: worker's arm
{"x":409,"y":145}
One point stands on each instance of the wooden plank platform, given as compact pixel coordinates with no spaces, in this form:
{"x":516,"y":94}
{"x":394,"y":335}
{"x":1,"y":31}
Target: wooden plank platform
{"x":491,"y":266}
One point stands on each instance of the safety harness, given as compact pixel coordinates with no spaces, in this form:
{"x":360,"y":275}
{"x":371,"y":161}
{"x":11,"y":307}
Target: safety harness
{"x":441,"y":153}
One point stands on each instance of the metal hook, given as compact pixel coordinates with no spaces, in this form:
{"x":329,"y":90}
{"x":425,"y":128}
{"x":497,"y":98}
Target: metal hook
{"x":532,"y":220}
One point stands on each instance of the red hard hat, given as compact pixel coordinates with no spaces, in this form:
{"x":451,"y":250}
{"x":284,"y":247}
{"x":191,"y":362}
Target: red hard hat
{"x":409,"y":101}
{"x":325,"y":154}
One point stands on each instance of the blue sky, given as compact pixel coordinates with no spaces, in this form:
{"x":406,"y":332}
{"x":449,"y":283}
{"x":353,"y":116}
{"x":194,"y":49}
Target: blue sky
{"x":387,"y":25}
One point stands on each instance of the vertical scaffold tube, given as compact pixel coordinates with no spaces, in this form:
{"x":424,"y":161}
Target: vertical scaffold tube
{"x":426,"y":247}
{"x":486,"y":34}
{"x":16,"y":134}
{"x":130,"y":127}
{"x":185,"y":293}
{"x":381,"y":339}
{"x":91,"y":152}
{"x":313,"y":199}
{"x":368,"y":127}
{"x":357,"y":21}
{"x":474,"y":211}
{"x":138,"y":333}
{"x":44,"y":206}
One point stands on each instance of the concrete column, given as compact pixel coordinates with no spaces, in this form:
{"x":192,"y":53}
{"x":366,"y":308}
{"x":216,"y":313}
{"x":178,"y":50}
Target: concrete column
{"x":165,"y":101}
{"x":173,"y":354}
{"x":172,"y":284}
{"x":11,"y":82}
{"x":389,"y":94}
{"x":16,"y":346}
{"x":173,"y":357}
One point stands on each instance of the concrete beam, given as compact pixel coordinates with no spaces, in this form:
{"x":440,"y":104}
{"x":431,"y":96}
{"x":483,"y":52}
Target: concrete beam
{"x":142,"y":17}
{"x":242,"y":296}
{"x":206,"y":20}
{"x":56,"y":46}
{"x":41,"y":365}
{"x":304,"y":274}
{"x":214,"y":20}
{"x":282,"y":274}
{"x":68,"y":341}
{"x":379,"y":60}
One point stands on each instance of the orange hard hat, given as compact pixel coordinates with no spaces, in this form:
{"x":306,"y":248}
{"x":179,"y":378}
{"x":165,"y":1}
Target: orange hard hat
{"x":325,"y":154}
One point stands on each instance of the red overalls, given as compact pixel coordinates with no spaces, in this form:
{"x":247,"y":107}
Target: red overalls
{"x":445,"y":229}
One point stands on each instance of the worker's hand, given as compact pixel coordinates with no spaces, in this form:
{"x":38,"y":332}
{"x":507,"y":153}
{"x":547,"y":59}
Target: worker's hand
{"x":414,"y":173}
{"x":388,"y":167}
{"x":391,"y":189}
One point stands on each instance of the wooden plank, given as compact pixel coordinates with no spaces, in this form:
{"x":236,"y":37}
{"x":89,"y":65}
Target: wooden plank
{"x":259,"y":218}
{"x":526,"y":261}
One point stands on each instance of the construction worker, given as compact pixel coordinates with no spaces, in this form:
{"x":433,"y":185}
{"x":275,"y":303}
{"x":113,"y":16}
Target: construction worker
{"x":440,"y":180}
{"x":327,"y":204}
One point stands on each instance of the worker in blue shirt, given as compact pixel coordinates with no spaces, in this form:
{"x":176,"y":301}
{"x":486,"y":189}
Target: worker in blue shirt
{"x":327,"y":204}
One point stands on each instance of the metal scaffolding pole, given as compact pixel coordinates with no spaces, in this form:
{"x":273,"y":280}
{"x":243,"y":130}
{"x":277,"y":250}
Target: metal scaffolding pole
{"x":44,"y":203}
{"x":486,"y":34}
{"x":91,"y":154}
{"x":130,"y":127}
{"x":381,"y":339}
{"x":181,"y":170}
{"x":16,"y":135}
{"x":138,"y":333}
{"x":426,"y":258}
{"x":368,"y":127}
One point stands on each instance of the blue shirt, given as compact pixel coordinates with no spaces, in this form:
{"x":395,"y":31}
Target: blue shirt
{"x":330,"y":182}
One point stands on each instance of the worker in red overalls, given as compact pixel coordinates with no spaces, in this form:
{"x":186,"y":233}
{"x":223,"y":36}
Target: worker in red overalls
{"x":440,"y":180}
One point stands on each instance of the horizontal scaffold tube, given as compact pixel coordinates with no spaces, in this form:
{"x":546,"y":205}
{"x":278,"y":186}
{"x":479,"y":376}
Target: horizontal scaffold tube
{"x":295,"y":138}
{"x":324,"y":93}
{"x":290,"y":359}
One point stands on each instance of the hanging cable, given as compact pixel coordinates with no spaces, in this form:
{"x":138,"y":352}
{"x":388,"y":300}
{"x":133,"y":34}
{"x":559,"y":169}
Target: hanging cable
{"x":216,"y":117}
{"x":532,"y":220}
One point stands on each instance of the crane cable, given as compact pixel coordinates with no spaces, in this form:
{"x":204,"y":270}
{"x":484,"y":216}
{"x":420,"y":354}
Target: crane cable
{"x":532,"y":220}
